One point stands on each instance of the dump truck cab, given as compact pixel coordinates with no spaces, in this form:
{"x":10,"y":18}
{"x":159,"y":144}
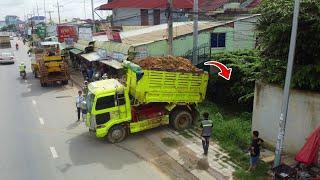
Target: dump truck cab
{"x":108,"y":104}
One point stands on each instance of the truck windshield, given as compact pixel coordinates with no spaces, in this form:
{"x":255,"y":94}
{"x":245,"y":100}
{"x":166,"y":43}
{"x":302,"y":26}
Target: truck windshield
{"x":89,"y":100}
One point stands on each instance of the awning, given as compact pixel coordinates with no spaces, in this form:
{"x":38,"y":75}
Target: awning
{"x":113,"y":63}
{"x":93,"y":56}
{"x":76,"y":51}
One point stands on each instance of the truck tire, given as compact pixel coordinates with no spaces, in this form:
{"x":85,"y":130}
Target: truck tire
{"x":65,"y":82}
{"x":116,"y":134}
{"x":180,"y":119}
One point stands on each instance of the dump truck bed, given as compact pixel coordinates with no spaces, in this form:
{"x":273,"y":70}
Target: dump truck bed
{"x":171,"y":87}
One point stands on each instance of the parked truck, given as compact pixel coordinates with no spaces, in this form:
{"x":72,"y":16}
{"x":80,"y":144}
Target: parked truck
{"x":4,"y":41}
{"x":149,"y":99}
{"x":49,"y":64}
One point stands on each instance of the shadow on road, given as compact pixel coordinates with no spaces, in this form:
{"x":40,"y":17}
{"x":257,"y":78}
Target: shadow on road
{"x":34,"y":88}
{"x":86,"y":149}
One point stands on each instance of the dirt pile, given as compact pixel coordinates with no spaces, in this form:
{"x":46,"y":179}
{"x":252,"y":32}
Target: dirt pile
{"x":167,"y":63}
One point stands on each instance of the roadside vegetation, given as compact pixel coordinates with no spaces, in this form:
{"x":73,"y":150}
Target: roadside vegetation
{"x":232,"y":131}
{"x":230,"y":103}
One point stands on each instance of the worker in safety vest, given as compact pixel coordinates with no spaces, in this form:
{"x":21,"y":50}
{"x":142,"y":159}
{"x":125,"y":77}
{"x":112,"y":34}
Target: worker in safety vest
{"x":22,"y":68}
{"x":206,"y":125}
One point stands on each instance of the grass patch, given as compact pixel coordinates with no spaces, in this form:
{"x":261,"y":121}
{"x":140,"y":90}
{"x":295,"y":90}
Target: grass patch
{"x":233,"y":132}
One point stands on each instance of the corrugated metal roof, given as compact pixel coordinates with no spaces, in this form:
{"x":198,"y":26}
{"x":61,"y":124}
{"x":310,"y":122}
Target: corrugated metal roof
{"x":156,"y":33}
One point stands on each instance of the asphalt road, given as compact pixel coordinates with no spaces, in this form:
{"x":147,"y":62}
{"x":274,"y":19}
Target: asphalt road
{"x":40,"y":139}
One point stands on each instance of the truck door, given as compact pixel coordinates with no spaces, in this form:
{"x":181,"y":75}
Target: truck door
{"x":104,"y":108}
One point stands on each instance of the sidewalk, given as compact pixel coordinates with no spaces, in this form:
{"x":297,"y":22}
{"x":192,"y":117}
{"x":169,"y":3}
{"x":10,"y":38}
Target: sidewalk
{"x":76,"y":78}
{"x":186,"y":149}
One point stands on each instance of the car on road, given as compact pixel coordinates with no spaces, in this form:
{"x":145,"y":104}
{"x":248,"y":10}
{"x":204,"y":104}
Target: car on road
{"x":7,"y":57}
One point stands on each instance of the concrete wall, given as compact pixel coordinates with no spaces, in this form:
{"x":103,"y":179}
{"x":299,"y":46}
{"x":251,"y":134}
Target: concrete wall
{"x":303,"y":115}
{"x":244,"y":34}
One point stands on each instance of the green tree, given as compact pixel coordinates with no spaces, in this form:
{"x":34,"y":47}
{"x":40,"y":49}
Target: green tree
{"x":274,"y":27}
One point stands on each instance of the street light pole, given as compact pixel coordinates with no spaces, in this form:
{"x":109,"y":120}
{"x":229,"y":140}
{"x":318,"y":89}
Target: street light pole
{"x":195,"y":31}
{"x":286,"y":93}
{"x":92,"y":11}
{"x":170,"y":28}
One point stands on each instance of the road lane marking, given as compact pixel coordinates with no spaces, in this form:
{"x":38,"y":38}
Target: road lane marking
{"x":34,"y":102}
{"x":41,"y":121}
{"x":54,"y":152}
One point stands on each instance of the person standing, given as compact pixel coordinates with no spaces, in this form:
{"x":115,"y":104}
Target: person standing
{"x":79,"y":100}
{"x":255,"y":150}
{"x":85,"y":89}
{"x":206,"y":125}
{"x":84,"y":109}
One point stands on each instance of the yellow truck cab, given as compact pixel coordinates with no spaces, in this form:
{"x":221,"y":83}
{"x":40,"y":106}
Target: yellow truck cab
{"x":148,"y":100}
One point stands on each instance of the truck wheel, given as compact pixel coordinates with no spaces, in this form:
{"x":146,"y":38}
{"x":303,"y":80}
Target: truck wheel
{"x":116,"y":134}
{"x":181,"y":119}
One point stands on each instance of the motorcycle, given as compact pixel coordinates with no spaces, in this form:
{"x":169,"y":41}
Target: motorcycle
{"x":23,"y":74}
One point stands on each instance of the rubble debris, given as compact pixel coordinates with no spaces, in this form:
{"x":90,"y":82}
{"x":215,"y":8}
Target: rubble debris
{"x":167,"y":63}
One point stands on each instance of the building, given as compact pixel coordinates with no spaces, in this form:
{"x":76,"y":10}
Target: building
{"x":2,"y":24}
{"x":37,"y":19}
{"x":11,"y":20}
{"x":145,"y":12}
{"x":214,"y":37}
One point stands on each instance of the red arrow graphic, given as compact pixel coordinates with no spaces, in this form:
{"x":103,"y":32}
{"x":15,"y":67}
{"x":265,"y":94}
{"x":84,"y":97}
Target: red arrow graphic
{"x":225,"y":72}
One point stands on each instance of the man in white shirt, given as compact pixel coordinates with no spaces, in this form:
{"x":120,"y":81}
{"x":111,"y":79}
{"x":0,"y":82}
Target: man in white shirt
{"x":79,"y":100}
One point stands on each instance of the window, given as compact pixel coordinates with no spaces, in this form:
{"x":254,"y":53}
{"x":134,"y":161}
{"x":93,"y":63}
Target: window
{"x":105,"y":102}
{"x":121,"y":100}
{"x":218,"y":40}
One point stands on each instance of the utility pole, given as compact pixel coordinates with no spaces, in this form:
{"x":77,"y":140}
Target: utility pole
{"x":84,"y":9}
{"x":44,"y":10}
{"x":49,"y":12}
{"x":94,"y":22}
{"x":37,"y":11}
{"x":195,"y":31}
{"x":170,"y":28}
{"x":58,"y":6}
{"x":286,"y":92}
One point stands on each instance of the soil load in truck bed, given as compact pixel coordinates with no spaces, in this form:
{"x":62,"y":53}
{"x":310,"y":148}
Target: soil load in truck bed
{"x":167,"y":63}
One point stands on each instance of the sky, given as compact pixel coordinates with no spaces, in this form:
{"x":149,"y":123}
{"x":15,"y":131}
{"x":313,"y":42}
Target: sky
{"x":70,"y":8}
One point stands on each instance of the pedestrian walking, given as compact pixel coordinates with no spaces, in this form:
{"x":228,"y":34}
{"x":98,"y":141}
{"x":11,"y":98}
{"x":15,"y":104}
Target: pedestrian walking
{"x":206,"y":125}
{"x":79,"y":100}
{"x":255,"y":150}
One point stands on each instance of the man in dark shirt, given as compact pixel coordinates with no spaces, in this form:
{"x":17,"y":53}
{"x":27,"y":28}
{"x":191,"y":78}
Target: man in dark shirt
{"x":206,"y":125}
{"x":255,"y":150}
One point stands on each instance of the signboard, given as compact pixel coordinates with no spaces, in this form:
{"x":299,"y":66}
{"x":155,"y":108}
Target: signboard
{"x":41,"y":31}
{"x":69,"y":42}
{"x":29,"y":31}
{"x":102,"y":53}
{"x":117,"y":56}
{"x":51,"y":30}
{"x":67,"y":31}
{"x":85,"y":33}
{"x":113,"y":35}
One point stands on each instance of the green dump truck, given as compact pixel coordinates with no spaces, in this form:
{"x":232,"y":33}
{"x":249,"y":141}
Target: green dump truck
{"x":149,"y":99}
